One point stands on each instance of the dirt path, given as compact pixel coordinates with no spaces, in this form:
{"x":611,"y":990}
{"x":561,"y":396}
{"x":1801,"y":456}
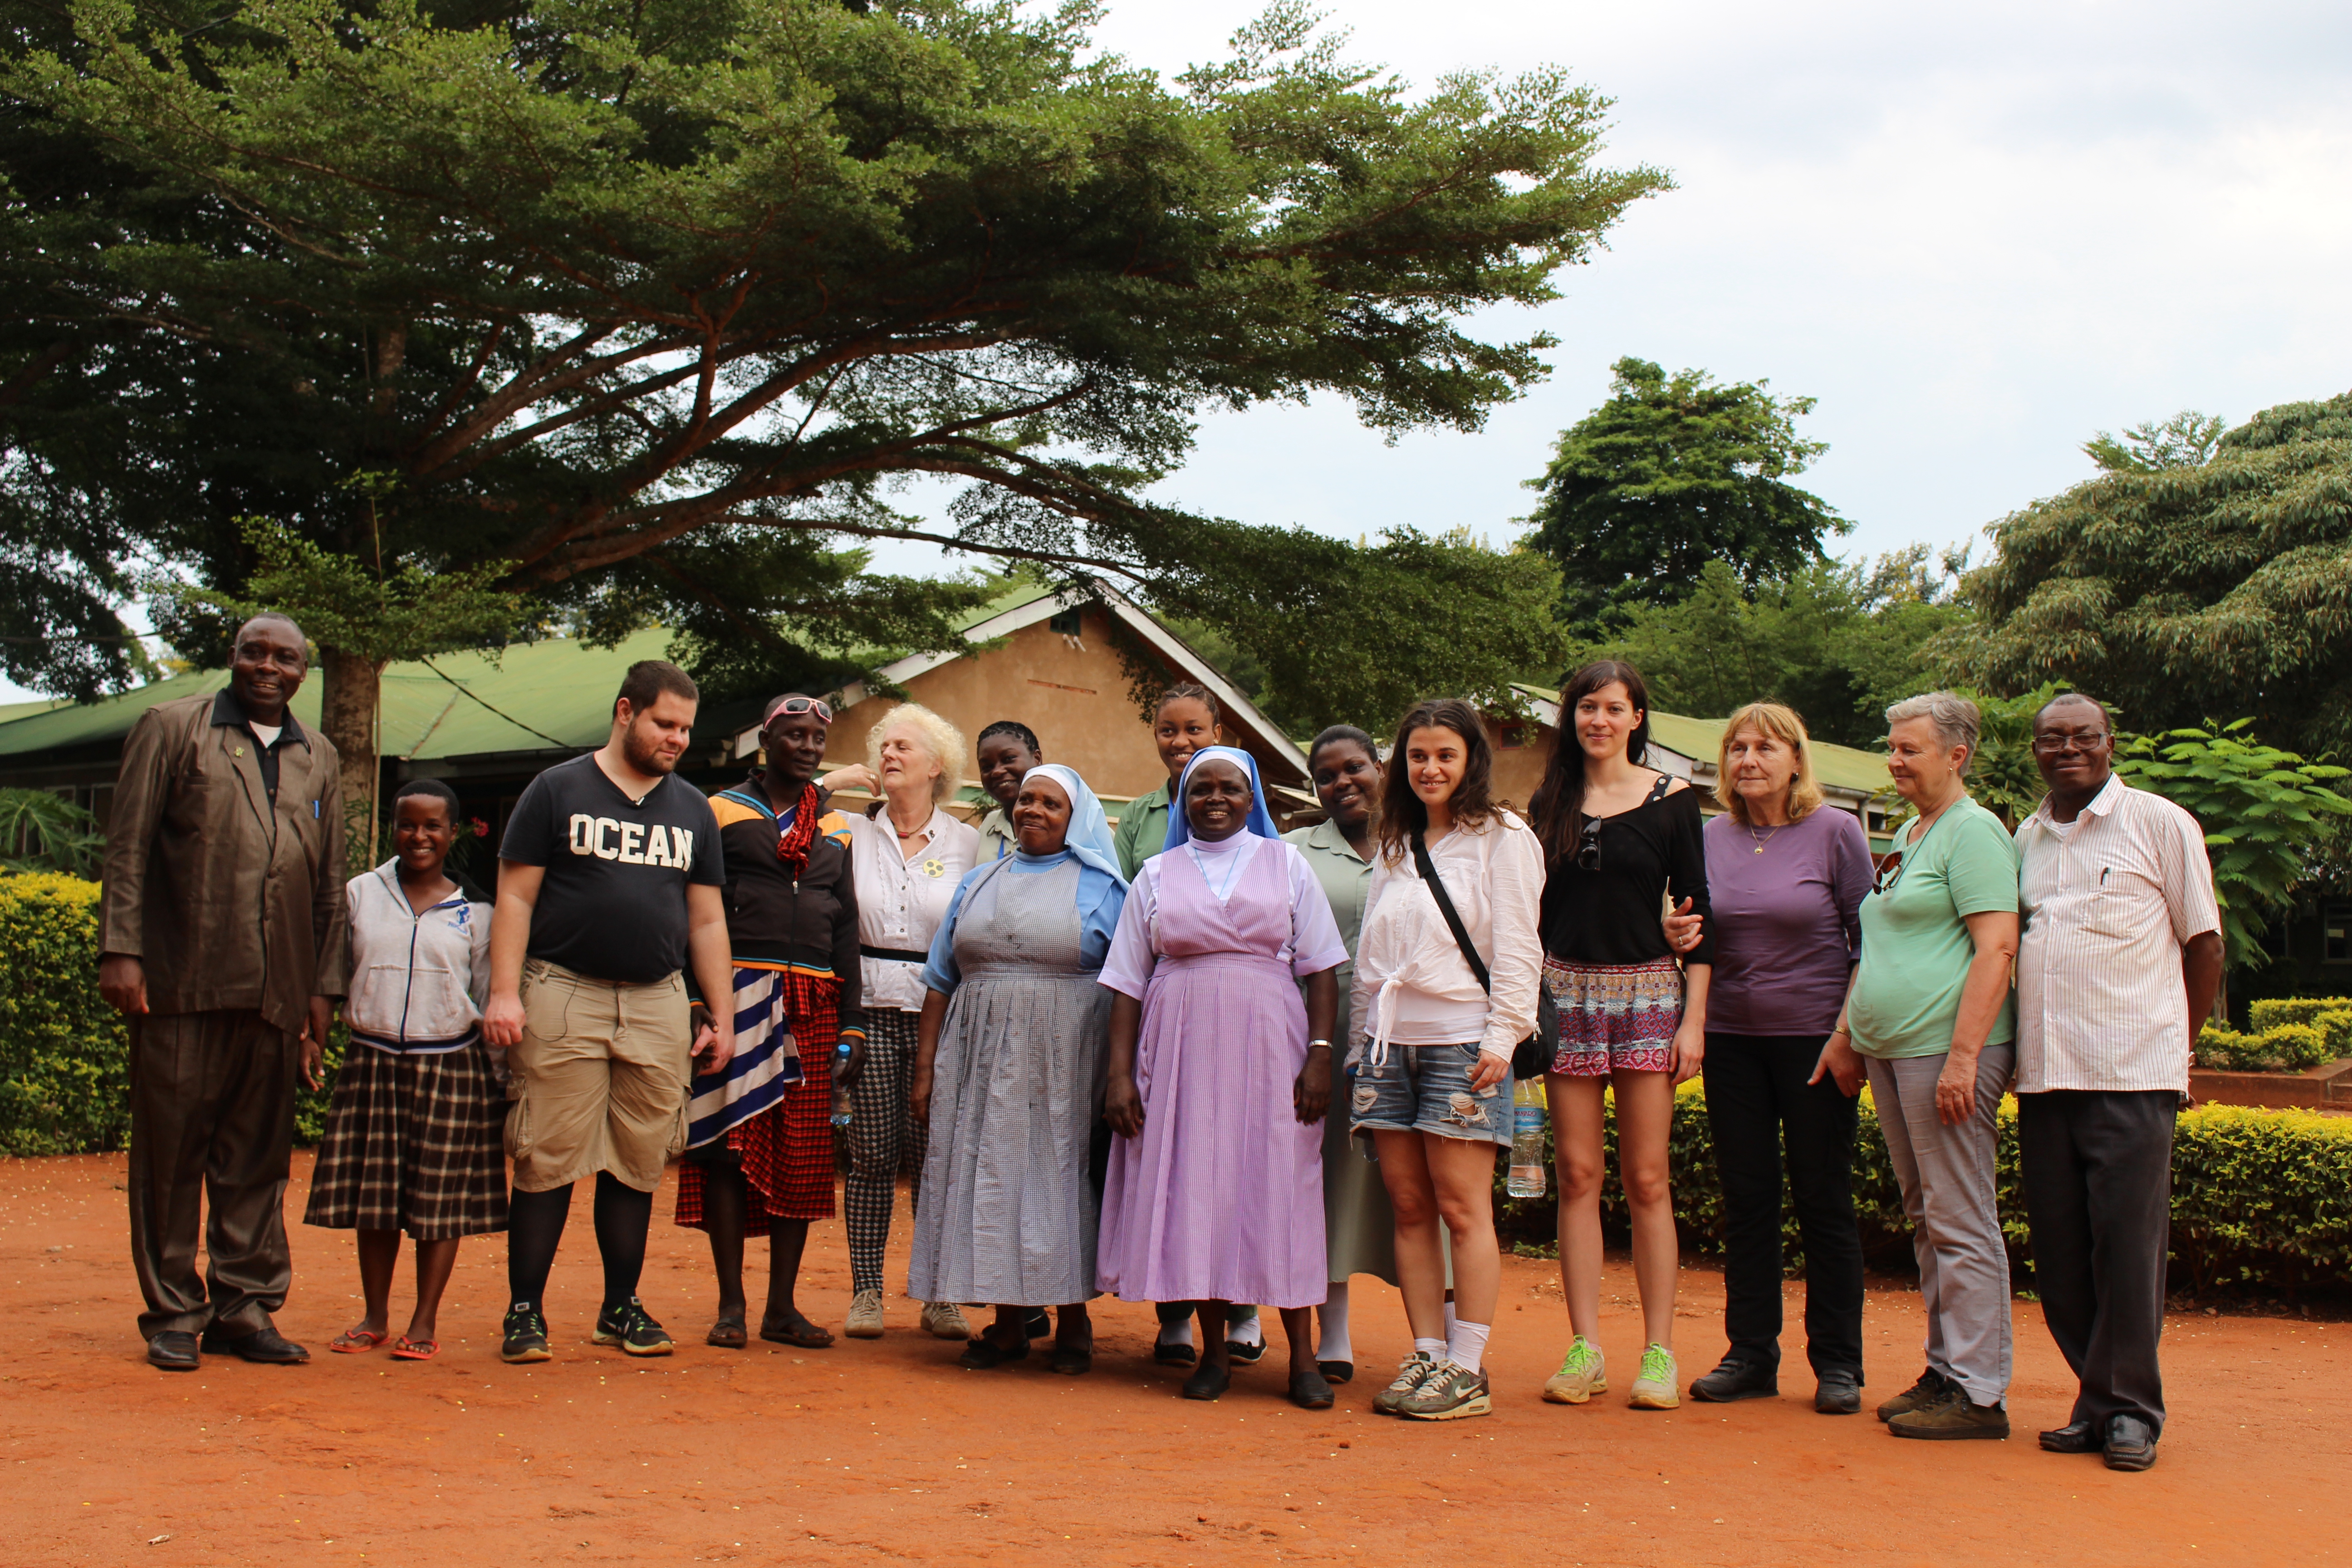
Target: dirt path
{"x":884,"y":1452}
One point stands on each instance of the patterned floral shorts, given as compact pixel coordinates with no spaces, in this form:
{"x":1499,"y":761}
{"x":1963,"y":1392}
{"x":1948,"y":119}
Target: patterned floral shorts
{"x":1615,"y":1018}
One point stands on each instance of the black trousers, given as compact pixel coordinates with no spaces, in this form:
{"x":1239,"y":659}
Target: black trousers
{"x":2097,"y":1171}
{"x":212,"y":1128}
{"x":1756,"y":1093}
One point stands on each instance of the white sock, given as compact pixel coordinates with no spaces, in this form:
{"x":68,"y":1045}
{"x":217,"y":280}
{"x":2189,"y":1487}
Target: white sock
{"x":1467,"y":1343}
{"x":1450,"y":1318}
{"x":1331,"y":1342}
{"x":1434,"y":1348}
{"x":1179,"y":1332}
{"x":1246,"y":1333}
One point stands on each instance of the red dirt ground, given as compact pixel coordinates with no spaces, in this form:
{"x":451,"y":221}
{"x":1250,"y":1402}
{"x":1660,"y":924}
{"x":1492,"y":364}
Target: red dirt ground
{"x":884,"y":1452}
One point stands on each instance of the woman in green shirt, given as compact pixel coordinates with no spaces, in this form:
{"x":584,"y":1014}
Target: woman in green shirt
{"x":1930,"y":1020}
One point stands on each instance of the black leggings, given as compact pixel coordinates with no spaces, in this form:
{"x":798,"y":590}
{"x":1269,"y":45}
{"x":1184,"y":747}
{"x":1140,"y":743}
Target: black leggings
{"x":535,"y":1227}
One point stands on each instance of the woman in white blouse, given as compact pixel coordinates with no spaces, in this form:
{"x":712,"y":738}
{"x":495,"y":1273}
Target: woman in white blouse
{"x":908,"y":858}
{"x":1432,"y":1058}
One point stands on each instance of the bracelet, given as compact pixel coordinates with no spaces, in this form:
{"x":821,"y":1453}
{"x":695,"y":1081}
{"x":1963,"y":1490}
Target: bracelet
{"x":1315,"y":1045}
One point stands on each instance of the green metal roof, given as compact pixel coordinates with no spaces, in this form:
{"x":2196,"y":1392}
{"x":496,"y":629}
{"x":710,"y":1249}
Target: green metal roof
{"x":1842,"y":767}
{"x":536,"y":697}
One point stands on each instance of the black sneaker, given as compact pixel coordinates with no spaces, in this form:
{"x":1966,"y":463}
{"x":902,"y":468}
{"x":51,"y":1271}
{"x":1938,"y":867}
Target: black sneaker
{"x":1736,"y":1379}
{"x":526,"y":1335}
{"x":1839,"y":1392}
{"x":1931,"y":1389}
{"x":632,"y":1328}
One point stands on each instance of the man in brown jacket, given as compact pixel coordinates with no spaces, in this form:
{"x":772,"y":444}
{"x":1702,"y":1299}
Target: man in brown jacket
{"x":223,"y":939}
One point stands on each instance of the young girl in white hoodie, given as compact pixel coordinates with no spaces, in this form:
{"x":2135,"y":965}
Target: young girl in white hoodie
{"x":414,"y":1133}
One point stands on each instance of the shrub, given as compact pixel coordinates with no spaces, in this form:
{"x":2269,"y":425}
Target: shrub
{"x":2266,"y":1012}
{"x":65,"y":1054}
{"x":2261,"y":1198}
{"x":2281,"y":1047}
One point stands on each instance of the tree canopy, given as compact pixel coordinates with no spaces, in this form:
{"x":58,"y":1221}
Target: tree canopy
{"x":1670,"y":473}
{"x":660,"y":303}
{"x":2186,"y":590}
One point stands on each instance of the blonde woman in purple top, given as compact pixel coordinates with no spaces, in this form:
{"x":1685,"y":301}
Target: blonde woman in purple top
{"x":1787,"y":879}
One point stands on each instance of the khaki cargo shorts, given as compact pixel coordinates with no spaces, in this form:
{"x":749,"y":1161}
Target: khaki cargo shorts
{"x":600,"y":1080}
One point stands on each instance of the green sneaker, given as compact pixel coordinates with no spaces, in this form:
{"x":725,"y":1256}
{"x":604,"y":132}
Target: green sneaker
{"x":1415,"y":1367}
{"x":525,"y":1335}
{"x":1448,"y":1393}
{"x":632,"y":1328}
{"x":1582,"y":1374}
{"x":1654,"y":1387}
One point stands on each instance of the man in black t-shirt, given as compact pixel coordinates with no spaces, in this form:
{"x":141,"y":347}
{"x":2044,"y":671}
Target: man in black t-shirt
{"x":609,"y":881}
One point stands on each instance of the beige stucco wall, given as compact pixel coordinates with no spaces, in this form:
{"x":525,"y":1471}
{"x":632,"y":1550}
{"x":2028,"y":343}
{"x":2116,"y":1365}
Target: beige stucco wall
{"x":1073,"y":692}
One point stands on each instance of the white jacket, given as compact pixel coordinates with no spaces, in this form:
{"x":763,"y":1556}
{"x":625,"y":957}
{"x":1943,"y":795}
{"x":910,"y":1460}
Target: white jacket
{"x":418,"y":980}
{"x":1413,"y":986}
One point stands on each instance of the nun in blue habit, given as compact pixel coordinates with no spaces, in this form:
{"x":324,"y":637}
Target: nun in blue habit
{"x":1009,"y":1070}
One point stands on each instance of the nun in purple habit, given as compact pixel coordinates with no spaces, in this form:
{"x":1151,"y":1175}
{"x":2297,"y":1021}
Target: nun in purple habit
{"x":1220,"y":1072}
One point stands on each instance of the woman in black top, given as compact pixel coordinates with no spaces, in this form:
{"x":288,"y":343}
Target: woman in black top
{"x":1618,"y":837}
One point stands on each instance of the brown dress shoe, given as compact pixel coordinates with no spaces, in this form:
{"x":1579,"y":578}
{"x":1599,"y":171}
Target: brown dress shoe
{"x":173,"y":1350}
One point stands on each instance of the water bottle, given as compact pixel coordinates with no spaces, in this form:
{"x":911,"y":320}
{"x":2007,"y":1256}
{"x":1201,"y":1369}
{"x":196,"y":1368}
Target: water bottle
{"x":841,"y":1084}
{"x":1527,"y":1177}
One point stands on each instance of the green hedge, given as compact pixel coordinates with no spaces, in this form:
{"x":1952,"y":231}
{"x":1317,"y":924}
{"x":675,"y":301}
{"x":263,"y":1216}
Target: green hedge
{"x":65,"y":1054}
{"x":2331,"y":1016}
{"x":2259,"y":1198}
{"x":2280,"y":1047}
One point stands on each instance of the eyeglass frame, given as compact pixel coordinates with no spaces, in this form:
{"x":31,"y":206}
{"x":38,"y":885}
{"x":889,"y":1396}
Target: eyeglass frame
{"x":798,"y":705}
{"x":1880,"y":882}
{"x":2059,"y":744}
{"x":1588,"y":845}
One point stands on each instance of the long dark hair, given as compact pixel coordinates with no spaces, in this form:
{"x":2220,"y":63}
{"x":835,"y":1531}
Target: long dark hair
{"x":1558,"y":808}
{"x":1403,"y":814}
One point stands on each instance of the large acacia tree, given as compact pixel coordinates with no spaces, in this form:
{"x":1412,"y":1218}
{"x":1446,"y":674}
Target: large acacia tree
{"x":2195,"y":580}
{"x":657,"y":302}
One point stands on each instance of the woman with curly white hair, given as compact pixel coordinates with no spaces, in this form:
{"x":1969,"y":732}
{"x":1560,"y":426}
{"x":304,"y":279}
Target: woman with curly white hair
{"x":908,"y":856}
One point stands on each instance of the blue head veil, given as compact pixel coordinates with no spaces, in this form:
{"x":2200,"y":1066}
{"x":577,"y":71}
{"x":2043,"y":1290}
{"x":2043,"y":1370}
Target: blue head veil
{"x":1261,"y":821}
{"x":1089,"y":837}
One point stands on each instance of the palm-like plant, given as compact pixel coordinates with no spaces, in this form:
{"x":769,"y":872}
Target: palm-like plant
{"x":44,"y":832}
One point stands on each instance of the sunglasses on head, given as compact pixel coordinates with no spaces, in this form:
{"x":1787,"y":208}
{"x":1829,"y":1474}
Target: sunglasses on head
{"x":817,"y":706}
{"x":1588,"y":846}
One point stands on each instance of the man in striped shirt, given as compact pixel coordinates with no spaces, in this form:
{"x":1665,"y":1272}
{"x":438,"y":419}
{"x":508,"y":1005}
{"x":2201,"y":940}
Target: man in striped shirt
{"x":2118,"y":963}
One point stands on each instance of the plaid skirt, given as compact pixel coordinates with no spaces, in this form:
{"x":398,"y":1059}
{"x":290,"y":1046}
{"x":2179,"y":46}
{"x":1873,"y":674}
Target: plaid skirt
{"x":786,"y":1152}
{"x":412,"y":1143}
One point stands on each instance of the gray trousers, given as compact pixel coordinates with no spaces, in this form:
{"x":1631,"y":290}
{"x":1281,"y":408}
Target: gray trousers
{"x":2097,"y":1170}
{"x":211,"y":1126}
{"x":1947,"y":1173}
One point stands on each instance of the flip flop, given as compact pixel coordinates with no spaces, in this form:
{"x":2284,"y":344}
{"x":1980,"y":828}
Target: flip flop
{"x":356,"y":1342}
{"x":415,"y":1350}
{"x":728,"y":1334}
{"x":811,"y":1339}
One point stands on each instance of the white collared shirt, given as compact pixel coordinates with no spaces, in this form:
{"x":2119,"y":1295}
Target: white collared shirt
{"x":902,"y":898}
{"x":2108,"y":904}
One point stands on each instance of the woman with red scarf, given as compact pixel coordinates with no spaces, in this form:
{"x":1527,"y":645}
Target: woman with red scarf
{"x":758,"y":1158}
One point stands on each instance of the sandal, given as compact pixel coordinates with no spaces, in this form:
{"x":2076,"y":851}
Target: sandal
{"x":406,"y":1349}
{"x":807,"y":1337}
{"x":728,"y":1334}
{"x":356,"y":1341}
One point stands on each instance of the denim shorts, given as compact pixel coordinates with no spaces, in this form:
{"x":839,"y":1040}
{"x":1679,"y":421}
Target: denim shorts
{"x":1426,"y":1089}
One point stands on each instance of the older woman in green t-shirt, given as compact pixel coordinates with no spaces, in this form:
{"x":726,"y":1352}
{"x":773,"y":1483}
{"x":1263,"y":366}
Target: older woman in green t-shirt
{"x":1930,"y":1020}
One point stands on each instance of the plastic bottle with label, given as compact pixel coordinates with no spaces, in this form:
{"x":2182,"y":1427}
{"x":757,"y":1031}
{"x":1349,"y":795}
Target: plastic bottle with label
{"x":841,"y":1085}
{"x":1528,"y":1175}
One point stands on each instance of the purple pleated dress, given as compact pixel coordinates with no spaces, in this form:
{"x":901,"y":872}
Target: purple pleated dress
{"x":1220,"y":1197}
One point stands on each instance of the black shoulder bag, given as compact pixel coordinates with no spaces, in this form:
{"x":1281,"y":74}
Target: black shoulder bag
{"x":1532,"y":1058}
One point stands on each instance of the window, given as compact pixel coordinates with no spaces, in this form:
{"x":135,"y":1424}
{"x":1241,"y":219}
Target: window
{"x":2336,"y":933}
{"x":1068,"y":622}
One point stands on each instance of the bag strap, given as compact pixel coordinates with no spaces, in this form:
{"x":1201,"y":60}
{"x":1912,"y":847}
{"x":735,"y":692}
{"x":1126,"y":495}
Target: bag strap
{"x":1436,"y":884}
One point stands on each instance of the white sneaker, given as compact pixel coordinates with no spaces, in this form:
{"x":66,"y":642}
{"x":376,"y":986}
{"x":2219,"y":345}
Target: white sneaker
{"x":866,"y":1315}
{"x":1582,"y":1374}
{"x":945,"y":1319}
{"x":1658,"y":1386}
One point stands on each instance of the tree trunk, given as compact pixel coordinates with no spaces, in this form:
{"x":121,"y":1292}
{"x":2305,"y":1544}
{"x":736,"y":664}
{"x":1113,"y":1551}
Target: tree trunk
{"x":349,"y":711}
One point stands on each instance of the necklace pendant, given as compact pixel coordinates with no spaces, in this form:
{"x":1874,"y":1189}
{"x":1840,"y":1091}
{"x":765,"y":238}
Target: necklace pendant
{"x":1759,"y":849}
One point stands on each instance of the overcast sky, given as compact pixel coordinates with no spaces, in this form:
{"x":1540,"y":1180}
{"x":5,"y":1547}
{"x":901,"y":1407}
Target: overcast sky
{"x":1976,"y":234}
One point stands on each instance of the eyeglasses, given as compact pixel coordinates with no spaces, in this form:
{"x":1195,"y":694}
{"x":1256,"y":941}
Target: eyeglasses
{"x":817,"y":706}
{"x":2059,"y":744}
{"x":1890,"y":871}
{"x":1588,"y":846}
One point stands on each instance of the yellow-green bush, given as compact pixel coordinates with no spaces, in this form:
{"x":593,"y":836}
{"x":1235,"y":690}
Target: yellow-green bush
{"x":2280,"y":1047}
{"x":2261,"y":1198}
{"x":65,"y":1063}
{"x":65,"y":1054}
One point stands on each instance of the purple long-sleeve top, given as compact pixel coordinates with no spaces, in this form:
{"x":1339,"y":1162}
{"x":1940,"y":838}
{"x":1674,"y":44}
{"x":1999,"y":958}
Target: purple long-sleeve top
{"x":1787,"y":927}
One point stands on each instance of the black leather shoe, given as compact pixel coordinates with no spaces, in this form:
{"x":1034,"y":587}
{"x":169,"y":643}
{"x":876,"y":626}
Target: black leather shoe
{"x":2074,"y":1438}
{"x":2131,"y":1443}
{"x":1838,"y":1394}
{"x":1734,"y":1379}
{"x":173,"y":1350}
{"x":266,"y":1346}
